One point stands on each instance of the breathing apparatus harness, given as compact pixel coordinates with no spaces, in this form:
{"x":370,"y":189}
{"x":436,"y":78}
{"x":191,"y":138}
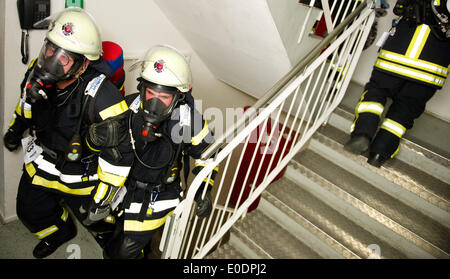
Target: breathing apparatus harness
{"x":151,"y":191}
{"x":417,"y":12}
{"x":149,"y":134}
{"x":74,"y":150}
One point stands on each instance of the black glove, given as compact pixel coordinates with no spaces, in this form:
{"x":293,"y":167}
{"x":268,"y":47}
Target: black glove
{"x":204,"y":207}
{"x":12,"y":139}
{"x":110,"y":132}
{"x":99,"y":206}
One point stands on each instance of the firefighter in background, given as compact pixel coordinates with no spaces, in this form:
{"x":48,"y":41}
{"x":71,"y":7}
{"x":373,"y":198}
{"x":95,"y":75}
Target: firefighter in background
{"x":165,"y":129}
{"x":62,"y":96}
{"x":411,"y":66}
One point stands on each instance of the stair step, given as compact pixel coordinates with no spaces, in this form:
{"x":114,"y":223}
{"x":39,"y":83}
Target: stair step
{"x":427,"y":124}
{"x":396,"y":170}
{"x":400,"y":216}
{"x":432,"y":162}
{"x":335,"y":227}
{"x":326,"y":246}
{"x":271,"y":238}
{"x":226,"y":251}
{"x":333,"y":204}
{"x":356,"y":210}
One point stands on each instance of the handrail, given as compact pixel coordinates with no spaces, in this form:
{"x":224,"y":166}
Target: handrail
{"x":193,"y":237}
{"x":273,"y":91}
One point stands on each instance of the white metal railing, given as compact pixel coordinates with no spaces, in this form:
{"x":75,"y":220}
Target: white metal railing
{"x":332,"y":15}
{"x":254,"y":152}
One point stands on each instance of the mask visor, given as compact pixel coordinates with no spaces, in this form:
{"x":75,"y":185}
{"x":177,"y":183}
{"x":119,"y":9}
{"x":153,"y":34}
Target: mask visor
{"x":57,"y":62}
{"x":158,"y":101}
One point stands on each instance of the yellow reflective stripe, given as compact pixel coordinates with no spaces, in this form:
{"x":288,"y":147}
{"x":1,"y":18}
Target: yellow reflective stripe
{"x":393,"y":127}
{"x":40,"y":181}
{"x":146,"y":225}
{"x":46,"y":232}
{"x":352,"y":128}
{"x":90,"y":147}
{"x":65,"y":214}
{"x":13,"y":120}
{"x":418,"y":41}
{"x":110,"y":168}
{"x":210,"y":182}
{"x":27,"y":114}
{"x":360,"y":101}
{"x":202,"y":163}
{"x":110,"y":178}
{"x":110,"y":219}
{"x":102,"y":189}
{"x":114,"y":110}
{"x":18,"y":109}
{"x":32,"y":63}
{"x":371,"y":107}
{"x":26,"y":109}
{"x":417,"y":63}
{"x":396,"y":151}
{"x":409,"y":72}
{"x":31,"y":170}
{"x":362,"y":95}
{"x":203,"y":133}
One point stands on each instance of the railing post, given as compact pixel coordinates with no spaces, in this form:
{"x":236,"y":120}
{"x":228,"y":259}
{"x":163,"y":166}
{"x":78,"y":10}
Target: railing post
{"x":177,"y":238}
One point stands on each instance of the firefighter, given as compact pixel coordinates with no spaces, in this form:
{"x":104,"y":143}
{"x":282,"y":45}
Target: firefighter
{"x":163,"y":125}
{"x":412,"y":64}
{"x":62,"y":96}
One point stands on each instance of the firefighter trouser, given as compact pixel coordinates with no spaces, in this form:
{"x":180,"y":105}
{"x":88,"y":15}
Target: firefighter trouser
{"x":135,"y":234}
{"x":408,"y":103}
{"x":43,"y":213}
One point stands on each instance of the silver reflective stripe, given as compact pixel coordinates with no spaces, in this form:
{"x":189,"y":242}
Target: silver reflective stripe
{"x":372,"y":107}
{"x":414,"y":74}
{"x":157,"y":207}
{"x":430,"y":67}
{"x":50,"y":168}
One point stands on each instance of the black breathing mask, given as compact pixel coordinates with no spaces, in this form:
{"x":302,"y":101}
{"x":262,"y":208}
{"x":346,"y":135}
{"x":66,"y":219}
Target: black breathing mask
{"x":53,"y":64}
{"x":157,"y":104}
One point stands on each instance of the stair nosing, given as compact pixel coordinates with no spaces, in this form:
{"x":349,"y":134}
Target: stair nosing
{"x":363,"y":207}
{"x":391,"y":175}
{"x":416,"y":148}
{"x":253,"y":245}
{"x":323,"y":234}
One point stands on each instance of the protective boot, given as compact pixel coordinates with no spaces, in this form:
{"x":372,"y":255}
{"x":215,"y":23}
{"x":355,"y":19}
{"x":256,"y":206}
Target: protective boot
{"x":123,"y":247}
{"x":358,"y":144}
{"x":376,"y":159}
{"x":48,"y":245}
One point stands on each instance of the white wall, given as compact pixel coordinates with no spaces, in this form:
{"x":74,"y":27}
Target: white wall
{"x":136,"y":25}
{"x":2,"y":96}
{"x":238,"y":40}
{"x":289,"y":17}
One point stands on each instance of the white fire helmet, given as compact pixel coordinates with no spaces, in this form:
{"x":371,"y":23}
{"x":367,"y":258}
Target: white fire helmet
{"x":165,"y":65}
{"x":75,"y":30}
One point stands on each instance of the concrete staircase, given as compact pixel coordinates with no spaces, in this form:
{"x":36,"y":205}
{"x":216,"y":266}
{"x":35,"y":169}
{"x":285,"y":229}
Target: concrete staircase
{"x":333,"y":204}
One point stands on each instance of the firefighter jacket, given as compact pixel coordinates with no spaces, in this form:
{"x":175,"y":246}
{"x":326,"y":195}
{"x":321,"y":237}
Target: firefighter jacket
{"x":161,"y":151}
{"x":166,"y":156}
{"x":414,"y":53}
{"x":54,"y":124}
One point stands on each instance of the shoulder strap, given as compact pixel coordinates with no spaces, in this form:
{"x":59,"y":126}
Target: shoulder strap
{"x":91,"y":94}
